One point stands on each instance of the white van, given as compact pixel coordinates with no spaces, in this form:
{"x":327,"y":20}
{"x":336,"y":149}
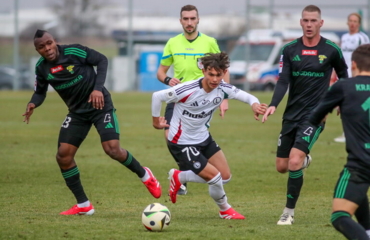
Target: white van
{"x":262,"y":71}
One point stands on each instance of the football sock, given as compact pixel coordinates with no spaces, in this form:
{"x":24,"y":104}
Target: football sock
{"x":146,"y":177}
{"x":295,"y":182}
{"x":343,"y":222}
{"x":216,"y":191}
{"x":289,"y":210}
{"x":72,"y":179}
{"x":132,"y":164}
{"x":224,"y":181}
{"x":84,"y":204}
{"x":190,"y":176}
{"x":363,"y":215}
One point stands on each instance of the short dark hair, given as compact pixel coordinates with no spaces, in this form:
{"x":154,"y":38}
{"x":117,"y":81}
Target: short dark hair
{"x":188,"y":8}
{"x":218,"y":61}
{"x":39,"y":33}
{"x":312,"y":8}
{"x":361,"y":56}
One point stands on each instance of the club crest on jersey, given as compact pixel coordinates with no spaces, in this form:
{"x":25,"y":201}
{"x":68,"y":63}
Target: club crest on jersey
{"x":107,"y":117}
{"x":70,"y":69}
{"x":309,"y":52}
{"x":322,"y":58}
{"x":217,"y":100}
{"x":199,"y":63}
{"x":56,"y":69}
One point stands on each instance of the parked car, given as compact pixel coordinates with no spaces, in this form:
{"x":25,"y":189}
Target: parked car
{"x":7,"y":78}
{"x":262,"y":70}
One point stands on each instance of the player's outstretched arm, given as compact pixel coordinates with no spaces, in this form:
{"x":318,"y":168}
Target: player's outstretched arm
{"x":160,"y":122}
{"x":28,"y":113}
{"x":269,"y":111}
{"x":258,"y":109}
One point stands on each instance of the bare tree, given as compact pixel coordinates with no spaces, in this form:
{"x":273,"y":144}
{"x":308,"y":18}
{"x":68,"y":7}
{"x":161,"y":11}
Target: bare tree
{"x":78,"y":17}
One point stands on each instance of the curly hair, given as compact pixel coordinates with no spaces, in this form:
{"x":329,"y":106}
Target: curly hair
{"x":217,"y":61}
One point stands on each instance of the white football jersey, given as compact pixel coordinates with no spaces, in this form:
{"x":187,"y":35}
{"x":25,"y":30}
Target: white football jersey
{"x":194,"y":108}
{"x":349,"y":42}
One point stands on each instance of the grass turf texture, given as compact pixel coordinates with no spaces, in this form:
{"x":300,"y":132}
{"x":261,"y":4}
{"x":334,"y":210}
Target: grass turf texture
{"x":33,"y":191}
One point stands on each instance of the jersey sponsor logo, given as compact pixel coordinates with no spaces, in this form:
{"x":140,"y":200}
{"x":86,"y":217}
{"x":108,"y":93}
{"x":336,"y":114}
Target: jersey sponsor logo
{"x":194,"y":104}
{"x":308,"y":74}
{"x":201,"y":115}
{"x":199,"y":63}
{"x":309,"y":52}
{"x":217,"y":100}
{"x":322,"y":58}
{"x":56,"y":69}
{"x":70,"y":69}
{"x":71,"y":83}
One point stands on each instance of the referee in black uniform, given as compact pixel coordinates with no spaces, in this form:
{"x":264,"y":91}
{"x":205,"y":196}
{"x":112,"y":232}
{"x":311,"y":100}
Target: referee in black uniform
{"x":306,"y":65}
{"x":353,"y":98}
{"x":69,"y":69}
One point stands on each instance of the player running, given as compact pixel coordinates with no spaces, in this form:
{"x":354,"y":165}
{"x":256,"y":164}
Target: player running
{"x":350,"y":194}
{"x":189,"y":139}
{"x":306,"y":65}
{"x":69,"y":69}
{"x":184,"y":52}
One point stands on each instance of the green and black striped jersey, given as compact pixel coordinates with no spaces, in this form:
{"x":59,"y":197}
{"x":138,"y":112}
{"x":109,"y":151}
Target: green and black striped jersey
{"x":353,"y":98}
{"x":73,"y":77}
{"x":306,"y":71}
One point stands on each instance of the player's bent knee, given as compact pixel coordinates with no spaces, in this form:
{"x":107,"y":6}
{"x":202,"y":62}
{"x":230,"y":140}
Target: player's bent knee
{"x":224,"y":181}
{"x":281,"y":169}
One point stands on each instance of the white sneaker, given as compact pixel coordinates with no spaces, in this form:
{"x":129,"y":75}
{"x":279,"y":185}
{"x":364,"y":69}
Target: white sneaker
{"x":341,"y":139}
{"x":307,"y":161}
{"x":285,"y":219}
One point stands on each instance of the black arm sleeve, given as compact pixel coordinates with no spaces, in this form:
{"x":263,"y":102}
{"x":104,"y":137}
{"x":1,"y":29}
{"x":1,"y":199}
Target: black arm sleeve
{"x":340,"y":65}
{"x":41,"y":88}
{"x":283,"y":82}
{"x":331,"y":99}
{"x":101,"y":62}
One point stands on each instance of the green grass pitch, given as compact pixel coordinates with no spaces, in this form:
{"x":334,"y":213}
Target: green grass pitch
{"x":33,"y":191}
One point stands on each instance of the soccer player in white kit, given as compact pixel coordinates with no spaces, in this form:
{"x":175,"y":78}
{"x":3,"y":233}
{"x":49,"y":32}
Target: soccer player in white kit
{"x":189,"y":138}
{"x":349,"y":42}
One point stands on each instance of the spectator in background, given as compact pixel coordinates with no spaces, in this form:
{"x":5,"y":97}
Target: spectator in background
{"x":349,"y":42}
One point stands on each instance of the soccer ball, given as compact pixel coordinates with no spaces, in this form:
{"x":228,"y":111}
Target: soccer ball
{"x":156,"y":217}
